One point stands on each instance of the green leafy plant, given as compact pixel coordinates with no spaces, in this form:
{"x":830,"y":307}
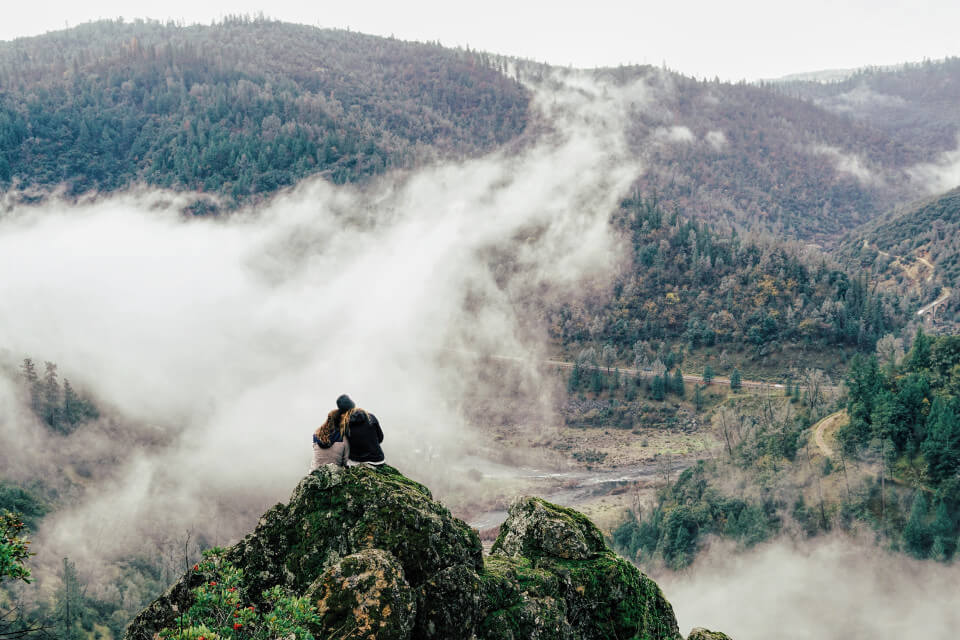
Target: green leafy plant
{"x":14,"y":549}
{"x":222,"y":611}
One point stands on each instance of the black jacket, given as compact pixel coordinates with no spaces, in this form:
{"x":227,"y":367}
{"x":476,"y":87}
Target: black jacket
{"x":365,"y":437}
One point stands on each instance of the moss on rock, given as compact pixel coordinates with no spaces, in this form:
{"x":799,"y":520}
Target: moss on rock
{"x":537,"y":528}
{"x":699,"y":633}
{"x":364,"y":596}
{"x":379,"y":558}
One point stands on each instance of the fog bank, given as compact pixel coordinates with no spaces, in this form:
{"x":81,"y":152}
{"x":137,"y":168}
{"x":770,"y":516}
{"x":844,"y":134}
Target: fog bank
{"x":837,"y":588}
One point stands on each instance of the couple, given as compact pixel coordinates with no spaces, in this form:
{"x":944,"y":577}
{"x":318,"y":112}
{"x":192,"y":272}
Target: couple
{"x":349,"y":436}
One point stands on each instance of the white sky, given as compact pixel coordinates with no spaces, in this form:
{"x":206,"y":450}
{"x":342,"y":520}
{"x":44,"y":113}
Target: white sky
{"x":731,"y":38}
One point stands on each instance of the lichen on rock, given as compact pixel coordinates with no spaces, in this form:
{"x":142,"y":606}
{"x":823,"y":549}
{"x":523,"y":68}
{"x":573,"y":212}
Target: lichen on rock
{"x":366,"y":597}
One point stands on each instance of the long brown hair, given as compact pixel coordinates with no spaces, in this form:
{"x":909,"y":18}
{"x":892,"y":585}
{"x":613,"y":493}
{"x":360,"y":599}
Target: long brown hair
{"x":336,"y":418}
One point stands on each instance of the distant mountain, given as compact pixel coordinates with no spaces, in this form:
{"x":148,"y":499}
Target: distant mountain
{"x":758,"y":158}
{"x":243,"y":107}
{"x":913,"y":103}
{"x":246,"y":107}
{"x":826,"y":75}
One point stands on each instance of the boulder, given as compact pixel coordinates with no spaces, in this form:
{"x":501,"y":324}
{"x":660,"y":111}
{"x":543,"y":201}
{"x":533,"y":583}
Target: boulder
{"x":364,"y":596}
{"x":699,"y":633}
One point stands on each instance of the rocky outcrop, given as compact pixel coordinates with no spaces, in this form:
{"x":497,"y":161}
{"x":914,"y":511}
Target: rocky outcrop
{"x":380,"y":559}
{"x":699,"y":633}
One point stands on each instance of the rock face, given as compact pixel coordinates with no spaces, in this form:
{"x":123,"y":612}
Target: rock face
{"x":699,"y":633}
{"x":380,"y":559}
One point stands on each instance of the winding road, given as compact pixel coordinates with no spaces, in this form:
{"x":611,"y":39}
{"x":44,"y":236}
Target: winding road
{"x":832,"y":422}
{"x":946,"y":291}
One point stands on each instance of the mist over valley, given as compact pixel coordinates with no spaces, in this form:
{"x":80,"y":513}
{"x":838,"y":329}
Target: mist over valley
{"x":717,"y":318}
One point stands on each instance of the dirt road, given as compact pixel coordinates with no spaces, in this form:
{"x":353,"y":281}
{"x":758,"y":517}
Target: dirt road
{"x":825,"y":428}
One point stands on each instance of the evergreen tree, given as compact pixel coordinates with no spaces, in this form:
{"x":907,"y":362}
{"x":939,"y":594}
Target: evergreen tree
{"x":941,"y":448}
{"x":707,"y":374}
{"x":920,"y":352}
{"x":943,"y":532}
{"x":32,"y":379}
{"x":596,"y":380}
{"x":698,"y":398}
{"x":69,"y":604}
{"x":677,"y":385}
{"x":916,"y":535}
{"x":51,"y":397}
{"x":658,"y":388}
{"x":735,"y":382}
{"x":573,"y":383}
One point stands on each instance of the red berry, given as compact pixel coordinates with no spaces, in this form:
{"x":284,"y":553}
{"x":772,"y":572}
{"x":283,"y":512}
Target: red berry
{"x":196,"y":567}
{"x":213,"y":584}
{"x":237,"y":625}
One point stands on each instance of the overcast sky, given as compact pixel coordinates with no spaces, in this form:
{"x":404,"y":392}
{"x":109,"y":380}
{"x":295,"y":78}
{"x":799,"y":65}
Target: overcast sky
{"x":733,"y":39}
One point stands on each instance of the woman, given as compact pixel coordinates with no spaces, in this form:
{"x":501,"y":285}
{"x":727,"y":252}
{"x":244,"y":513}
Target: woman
{"x":330,"y":445}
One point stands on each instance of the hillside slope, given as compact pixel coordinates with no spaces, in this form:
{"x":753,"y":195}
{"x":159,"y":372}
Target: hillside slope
{"x":241,"y":107}
{"x":246,"y":107}
{"x":915,"y":103}
{"x":915,"y":248}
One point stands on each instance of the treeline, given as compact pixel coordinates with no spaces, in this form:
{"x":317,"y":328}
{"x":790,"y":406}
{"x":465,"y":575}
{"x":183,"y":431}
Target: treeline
{"x":61,"y":407}
{"x":240,"y":108}
{"x":688,"y":283}
{"x":687,"y":511}
{"x":749,"y":492}
{"x":907,"y":415}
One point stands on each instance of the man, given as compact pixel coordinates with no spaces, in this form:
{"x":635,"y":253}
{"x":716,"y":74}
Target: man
{"x":363,"y":433}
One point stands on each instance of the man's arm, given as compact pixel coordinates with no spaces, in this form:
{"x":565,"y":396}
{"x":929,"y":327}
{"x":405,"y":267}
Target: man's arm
{"x":376,"y":423}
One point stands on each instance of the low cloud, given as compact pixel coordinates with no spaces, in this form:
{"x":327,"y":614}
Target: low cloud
{"x":848,"y":163}
{"x":716,"y":139}
{"x":838,"y":589}
{"x":940,"y":175}
{"x":218,"y":345}
{"x":676,"y":134}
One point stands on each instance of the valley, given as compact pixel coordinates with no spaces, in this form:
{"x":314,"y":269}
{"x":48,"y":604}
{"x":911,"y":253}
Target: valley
{"x":715,"y":317}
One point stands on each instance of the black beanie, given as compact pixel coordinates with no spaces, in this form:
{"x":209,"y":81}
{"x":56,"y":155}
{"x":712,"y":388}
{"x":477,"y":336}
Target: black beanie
{"x":344,"y":403}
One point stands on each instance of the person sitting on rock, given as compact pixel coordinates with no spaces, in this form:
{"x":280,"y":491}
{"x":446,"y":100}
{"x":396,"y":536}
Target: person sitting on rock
{"x":330,"y":445}
{"x":364,"y":436}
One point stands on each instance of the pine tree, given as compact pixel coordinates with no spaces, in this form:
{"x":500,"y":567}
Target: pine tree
{"x":72,"y":410}
{"x":69,"y":604}
{"x":658,"y":388}
{"x":698,"y":398}
{"x":51,"y":397}
{"x":916,"y":535}
{"x":677,"y":385}
{"x":943,"y":532}
{"x":707,"y":374}
{"x":920,"y":352}
{"x":33,"y":381}
{"x":735,"y":382}
{"x":573,"y":383}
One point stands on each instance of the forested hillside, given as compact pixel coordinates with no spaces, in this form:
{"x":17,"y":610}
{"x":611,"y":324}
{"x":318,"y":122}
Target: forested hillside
{"x":914,"y":103}
{"x":240,"y":108}
{"x":690,"y":284}
{"x":763,"y":160}
{"x":249,"y":106}
{"x":908,"y":412}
